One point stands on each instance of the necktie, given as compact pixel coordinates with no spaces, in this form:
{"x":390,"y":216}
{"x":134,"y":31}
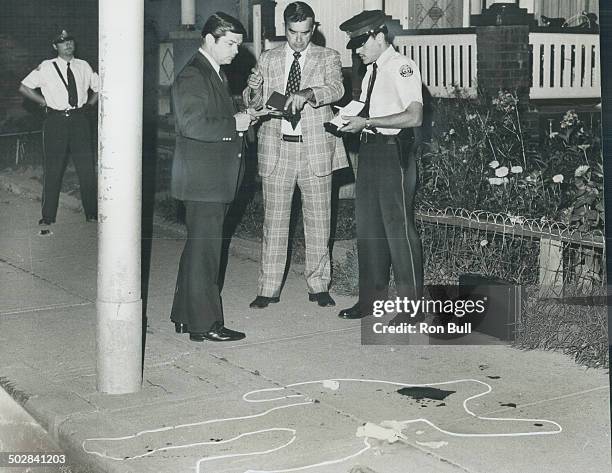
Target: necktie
{"x":73,"y":97}
{"x":365,"y":112}
{"x":293,"y":85}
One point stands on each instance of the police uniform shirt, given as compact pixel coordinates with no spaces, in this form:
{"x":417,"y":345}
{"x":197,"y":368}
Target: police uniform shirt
{"x":54,"y":91}
{"x":286,"y":127}
{"x":397,"y":85}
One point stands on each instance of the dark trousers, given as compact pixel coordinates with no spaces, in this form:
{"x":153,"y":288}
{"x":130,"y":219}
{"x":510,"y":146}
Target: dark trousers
{"x":63,"y":136}
{"x":386,"y":232}
{"x":197,"y":298}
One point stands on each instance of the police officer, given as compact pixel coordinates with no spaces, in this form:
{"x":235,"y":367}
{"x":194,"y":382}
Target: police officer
{"x":387,"y":174}
{"x":64,"y":84}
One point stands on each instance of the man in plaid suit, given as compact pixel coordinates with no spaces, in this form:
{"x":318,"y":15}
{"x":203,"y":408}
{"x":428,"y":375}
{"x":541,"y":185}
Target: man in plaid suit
{"x":294,"y":148}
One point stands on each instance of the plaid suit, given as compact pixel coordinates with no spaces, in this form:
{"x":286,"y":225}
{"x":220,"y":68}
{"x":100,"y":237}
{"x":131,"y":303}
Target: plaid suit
{"x":309,"y":164}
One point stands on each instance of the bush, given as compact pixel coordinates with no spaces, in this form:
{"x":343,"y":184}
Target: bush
{"x":479,"y":160}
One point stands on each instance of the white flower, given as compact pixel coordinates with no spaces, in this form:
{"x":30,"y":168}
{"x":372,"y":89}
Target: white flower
{"x":484,"y":242}
{"x":464,"y":161}
{"x":581,"y":170}
{"x":497,"y":181}
{"x":464,"y":148}
{"x":516,"y":169}
{"x":558,"y":178}
{"x":451,"y":131}
{"x":517,"y":219}
{"x":530,"y":179}
{"x":501,"y":172}
{"x":471,"y":116}
{"x":494,"y":164}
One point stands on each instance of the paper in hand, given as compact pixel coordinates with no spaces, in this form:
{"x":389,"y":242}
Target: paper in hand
{"x":352,"y":109}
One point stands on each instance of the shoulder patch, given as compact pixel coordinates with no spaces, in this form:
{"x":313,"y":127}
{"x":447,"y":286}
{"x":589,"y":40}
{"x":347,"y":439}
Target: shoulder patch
{"x":405,"y":70}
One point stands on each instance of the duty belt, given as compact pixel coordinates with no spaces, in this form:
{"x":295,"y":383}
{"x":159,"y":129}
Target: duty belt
{"x":379,"y":138}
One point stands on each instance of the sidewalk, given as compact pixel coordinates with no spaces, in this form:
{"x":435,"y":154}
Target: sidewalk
{"x":292,"y":396}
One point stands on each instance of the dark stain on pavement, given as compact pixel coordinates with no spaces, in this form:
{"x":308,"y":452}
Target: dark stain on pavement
{"x":493,"y":377}
{"x":420,"y":393}
{"x":507,"y":404}
{"x":538,"y":425}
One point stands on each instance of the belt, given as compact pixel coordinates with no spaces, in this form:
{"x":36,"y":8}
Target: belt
{"x":378,"y":138}
{"x":64,"y":113}
{"x":293,"y":138}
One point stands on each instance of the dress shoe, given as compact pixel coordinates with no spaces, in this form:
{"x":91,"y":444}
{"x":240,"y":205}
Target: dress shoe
{"x":180,"y":328}
{"x":45,"y":221}
{"x":322,"y":298}
{"x":261,"y":302}
{"x":217,"y":333}
{"x":352,"y":313}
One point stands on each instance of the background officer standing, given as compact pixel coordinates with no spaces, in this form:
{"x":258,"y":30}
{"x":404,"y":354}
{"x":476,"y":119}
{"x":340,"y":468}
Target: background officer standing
{"x":64,"y":84}
{"x":387,"y":174}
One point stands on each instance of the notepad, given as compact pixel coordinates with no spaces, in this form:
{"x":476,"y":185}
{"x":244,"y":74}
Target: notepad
{"x":352,"y":109}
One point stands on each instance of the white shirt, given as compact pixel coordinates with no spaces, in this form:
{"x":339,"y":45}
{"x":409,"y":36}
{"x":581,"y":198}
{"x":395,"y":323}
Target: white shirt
{"x":286,"y":127}
{"x":397,"y":85}
{"x":52,"y":87}
{"x":214,"y":64}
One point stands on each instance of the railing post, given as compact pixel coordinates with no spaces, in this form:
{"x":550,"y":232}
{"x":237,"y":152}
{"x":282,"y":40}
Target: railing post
{"x":551,"y":267}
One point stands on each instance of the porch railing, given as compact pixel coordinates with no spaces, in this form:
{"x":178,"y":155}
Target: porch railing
{"x":446,"y":61}
{"x":565,"y":65}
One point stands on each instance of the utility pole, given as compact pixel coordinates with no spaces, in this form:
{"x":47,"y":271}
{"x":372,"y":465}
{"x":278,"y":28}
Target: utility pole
{"x":119,"y":331}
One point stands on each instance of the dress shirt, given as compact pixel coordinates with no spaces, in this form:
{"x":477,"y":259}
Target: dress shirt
{"x":286,"y":127}
{"x":52,"y":87}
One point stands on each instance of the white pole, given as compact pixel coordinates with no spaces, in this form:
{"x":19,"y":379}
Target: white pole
{"x":372,"y":4}
{"x":257,"y":30}
{"x":188,"y":12}
{"x":528,"y":4}
{"x":119,"y":303}
{"x":476,"y":7}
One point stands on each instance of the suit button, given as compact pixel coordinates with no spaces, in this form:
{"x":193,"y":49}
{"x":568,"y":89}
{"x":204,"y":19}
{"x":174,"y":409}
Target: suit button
{"x":240,"y":134}
{"x":240,"y":155}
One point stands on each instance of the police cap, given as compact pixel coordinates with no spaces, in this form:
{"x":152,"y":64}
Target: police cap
{"x":361,"y":26}
{"x":62,"y":36}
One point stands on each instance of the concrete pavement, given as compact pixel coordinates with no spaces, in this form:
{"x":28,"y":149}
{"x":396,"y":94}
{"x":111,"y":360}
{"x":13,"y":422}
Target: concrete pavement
{"x":293,"y":396}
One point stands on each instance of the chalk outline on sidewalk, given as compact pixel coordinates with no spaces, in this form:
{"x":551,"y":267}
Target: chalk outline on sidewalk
{"x":325,"y":384}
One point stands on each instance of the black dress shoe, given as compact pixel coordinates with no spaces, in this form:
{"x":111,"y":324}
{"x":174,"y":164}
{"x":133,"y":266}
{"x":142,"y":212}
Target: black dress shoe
{"x":45,"y":221}
{"x":180,"y":328}
{"x":217,"y":333}
{"x":352,"y":313}
{"x":322,"y":298}
{"x":91,"y":218}
{"x":261,"y":302}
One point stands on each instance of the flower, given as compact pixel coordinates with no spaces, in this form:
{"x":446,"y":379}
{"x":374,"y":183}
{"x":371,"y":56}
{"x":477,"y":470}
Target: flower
{"x":516,"y":169}
{"x":451,"y":131}
{"x":517,"y":219}
{"x":484,"y":242}
{"x":464,"y":148}
{"x":530,"y":179}
{"x":558,"y":178}
{"x":498,"y":181}
{"x":569,"y":119}
{"x":494,"y":164}
{"x":471,"y":116}
{"x":501,"y":172}
{"x":581,"y":170}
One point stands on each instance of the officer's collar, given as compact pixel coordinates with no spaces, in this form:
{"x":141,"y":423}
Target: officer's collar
{"x":385,"y":56}
{"x":63,"y":61}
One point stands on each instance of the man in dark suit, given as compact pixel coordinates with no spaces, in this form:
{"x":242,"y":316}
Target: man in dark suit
{"x":206,"y":174}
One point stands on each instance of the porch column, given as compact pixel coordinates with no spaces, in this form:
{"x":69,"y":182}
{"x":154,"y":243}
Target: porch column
{"x":188,"y":13}
{"x":467,"y":8}
{"x":373,"y":4}
{"x":119,"y":303}
{"x":475,"y":7}
{"x":257,"y":30}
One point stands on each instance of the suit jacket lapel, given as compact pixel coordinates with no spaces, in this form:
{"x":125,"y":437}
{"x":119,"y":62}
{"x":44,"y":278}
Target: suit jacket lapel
{"x":208,"y":71}
{"x":310,"y":66}
{"x":278,"y":70}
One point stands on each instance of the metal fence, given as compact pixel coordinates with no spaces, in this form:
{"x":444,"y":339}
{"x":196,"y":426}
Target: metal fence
{"x":526,"y":252}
